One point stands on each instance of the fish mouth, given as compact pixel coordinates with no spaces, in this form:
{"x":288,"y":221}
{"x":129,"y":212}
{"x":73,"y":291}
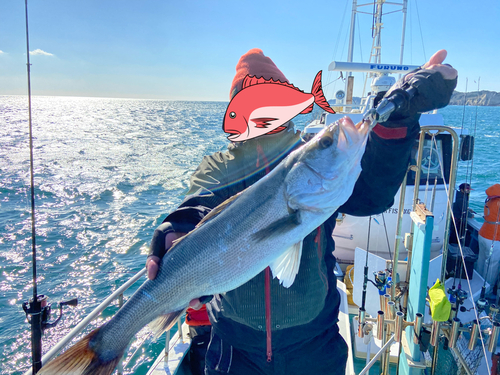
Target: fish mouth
{"x":347,"y":120}
{"x":236,"y":137}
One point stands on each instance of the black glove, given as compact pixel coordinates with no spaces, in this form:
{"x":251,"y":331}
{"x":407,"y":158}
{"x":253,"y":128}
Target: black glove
{"x":158,"y":242}
{"x":433,"y":92}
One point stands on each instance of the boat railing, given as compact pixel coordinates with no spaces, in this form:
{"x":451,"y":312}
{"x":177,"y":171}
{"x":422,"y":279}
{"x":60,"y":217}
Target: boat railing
{"x":118,"y":294}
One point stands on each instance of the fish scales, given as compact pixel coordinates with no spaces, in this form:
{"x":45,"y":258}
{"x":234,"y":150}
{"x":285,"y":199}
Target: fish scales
{"x":228,"y":249}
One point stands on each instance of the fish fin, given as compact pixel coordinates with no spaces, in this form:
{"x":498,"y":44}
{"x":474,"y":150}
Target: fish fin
{"x":280,"y":226}
{"x":308,"y":109}
{"x":253,"y":80}
{"x":217,"y":210}
{"x":286,"y":266}
{"x":164,"y":322}
{"x":263,"y":122}
{"x":82,"y":359}
{"x":319,"y":96}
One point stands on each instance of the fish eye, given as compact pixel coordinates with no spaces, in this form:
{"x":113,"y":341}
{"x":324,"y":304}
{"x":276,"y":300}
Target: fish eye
{"x":232,"y":114}
{"x":325,"y":142}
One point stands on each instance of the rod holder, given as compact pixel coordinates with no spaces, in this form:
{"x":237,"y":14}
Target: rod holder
{"x":417,"y":326}
{"x":380,"y":325}
{"x":455,"y":331}
{"x":361,"y":322}
{"x":495,"y":332}
{"x":391,"y":309}
{"x":436,"y":326}
{"x":387,"y":299}
{"x":398,"y":330}
{"x":493,"y":312}
{"x":474,"y":334}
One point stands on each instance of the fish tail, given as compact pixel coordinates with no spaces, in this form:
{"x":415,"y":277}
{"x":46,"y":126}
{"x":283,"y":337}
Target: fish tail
{"x":82,"y":359}
{"x":319,"y":96}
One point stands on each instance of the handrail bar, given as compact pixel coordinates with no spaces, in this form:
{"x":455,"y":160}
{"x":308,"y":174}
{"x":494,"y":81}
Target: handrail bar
{"x":376,"y":357}
{"x":81,"y":326}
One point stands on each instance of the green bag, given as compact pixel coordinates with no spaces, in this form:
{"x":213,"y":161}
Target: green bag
{"x":440,"y":305}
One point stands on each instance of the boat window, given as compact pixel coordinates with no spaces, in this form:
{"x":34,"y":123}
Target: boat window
{"x":436,"y":157}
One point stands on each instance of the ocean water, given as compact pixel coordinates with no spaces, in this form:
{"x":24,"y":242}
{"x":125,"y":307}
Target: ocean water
{"x":106,"y":173}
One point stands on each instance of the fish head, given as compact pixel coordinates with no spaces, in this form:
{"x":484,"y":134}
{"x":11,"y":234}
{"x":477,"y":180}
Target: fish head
{"x":235,"y":120}
{"x":326,"y":168}
{"x":261,"y":121}
{"x":262,"y":109}
{"x":341,"y":143}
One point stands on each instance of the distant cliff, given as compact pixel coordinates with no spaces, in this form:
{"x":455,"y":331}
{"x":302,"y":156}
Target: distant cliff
{"x":486,"y":98}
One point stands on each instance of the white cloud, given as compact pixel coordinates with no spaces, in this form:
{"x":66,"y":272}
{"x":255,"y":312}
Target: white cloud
{"x":1,"y":52}
{"x":40,"y":52}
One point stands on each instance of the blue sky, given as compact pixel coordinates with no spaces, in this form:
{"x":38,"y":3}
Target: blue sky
{"x":187,"y":50}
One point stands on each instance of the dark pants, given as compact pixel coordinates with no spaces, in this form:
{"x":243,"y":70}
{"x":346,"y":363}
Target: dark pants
{"x":325,"y":354}
{"x":200,"y":336}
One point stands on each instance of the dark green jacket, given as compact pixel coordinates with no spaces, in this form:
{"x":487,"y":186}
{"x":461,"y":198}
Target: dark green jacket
{"x":310,"y":305}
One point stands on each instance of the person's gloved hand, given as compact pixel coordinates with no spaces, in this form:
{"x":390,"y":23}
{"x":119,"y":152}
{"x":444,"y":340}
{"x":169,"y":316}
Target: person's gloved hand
{"x":434,"y":82}
{"x":162,"y":241}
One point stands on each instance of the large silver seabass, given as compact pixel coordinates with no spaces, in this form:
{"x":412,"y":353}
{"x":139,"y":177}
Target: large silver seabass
{"x":262,"y":226}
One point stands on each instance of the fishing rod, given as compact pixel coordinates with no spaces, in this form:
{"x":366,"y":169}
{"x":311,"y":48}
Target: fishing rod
{"x":37,"y":309}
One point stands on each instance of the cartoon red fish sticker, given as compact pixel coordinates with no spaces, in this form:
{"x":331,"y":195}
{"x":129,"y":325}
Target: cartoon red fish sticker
{"x":264,"y":106}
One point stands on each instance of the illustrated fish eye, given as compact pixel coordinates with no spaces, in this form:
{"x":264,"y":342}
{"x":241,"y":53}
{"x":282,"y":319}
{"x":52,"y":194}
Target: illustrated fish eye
{"x":232,"y":115}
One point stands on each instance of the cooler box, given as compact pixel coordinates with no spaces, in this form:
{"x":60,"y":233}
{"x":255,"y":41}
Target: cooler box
{"x":454,"y":257}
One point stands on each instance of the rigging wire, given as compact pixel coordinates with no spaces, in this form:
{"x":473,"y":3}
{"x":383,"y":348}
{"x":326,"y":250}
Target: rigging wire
{"x":335,"y":49}
{"x":420,"y":28}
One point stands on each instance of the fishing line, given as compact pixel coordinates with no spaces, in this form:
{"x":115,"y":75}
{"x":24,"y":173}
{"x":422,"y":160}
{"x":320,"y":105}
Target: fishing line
{"x":475,"y":128}
{"x":389,"y":247}
{"x":465,"y":102}
{"x":365,"y":277}
{"x":464,"y":267}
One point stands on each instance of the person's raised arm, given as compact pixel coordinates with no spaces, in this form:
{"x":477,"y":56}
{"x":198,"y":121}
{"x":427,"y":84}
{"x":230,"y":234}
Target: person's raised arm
{"x":387,"y":154}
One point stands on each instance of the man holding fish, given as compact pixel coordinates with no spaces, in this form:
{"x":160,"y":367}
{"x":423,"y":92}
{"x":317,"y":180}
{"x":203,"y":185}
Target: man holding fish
{"x":255,"y":229}
{"x":289,"y":325}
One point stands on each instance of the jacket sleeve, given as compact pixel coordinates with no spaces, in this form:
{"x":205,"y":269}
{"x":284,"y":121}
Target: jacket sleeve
{"x":384,"y":165}
{"x":207,"y":190}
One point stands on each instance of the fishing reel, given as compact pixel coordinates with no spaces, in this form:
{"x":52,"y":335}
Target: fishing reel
{"x":457,"y":297}
{"x":382,"y":281}
{"x":44,"y":309}
{"x":494,"y":316}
